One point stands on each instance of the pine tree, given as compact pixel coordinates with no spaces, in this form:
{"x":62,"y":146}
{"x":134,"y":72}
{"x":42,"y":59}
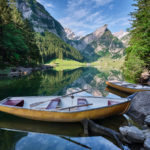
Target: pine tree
{"x":17,"y":42}
{"x":139,"y":48}
{"x":5,"y":13}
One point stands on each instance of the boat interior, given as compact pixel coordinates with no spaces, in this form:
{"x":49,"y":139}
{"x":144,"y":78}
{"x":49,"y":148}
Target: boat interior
{"x":130,"y":85}
{"x":62,"y":104}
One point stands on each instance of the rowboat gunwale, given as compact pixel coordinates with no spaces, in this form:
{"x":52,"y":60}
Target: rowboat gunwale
{"x":124,"y":89}
{"x":74,"y":116}
{"x":127,"y":100}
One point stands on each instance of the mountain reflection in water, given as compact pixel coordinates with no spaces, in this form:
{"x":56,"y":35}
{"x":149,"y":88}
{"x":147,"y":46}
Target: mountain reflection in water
{"x":53,"y":82}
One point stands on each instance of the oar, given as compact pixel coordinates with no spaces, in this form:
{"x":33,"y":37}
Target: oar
{"x":38,"y":103}
{"x":75,"y":142}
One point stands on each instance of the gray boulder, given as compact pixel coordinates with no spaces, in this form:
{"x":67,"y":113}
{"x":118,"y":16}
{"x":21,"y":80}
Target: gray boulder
{"x":14,"y":74}
{"x":24,"y":71}
{"x":132,"y":133}
{"x":140,"y":106}
{"x":147,"y":144}
{"x":147,"y":120}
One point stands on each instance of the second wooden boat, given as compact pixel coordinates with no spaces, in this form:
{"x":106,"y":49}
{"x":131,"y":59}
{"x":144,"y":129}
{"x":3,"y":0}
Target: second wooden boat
{"x":63,"y":109}
{"x":127,"y":87}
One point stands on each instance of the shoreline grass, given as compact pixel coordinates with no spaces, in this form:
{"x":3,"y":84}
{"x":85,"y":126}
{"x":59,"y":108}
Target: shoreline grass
{"x":107,"y":63}
{"x":66,"y":64}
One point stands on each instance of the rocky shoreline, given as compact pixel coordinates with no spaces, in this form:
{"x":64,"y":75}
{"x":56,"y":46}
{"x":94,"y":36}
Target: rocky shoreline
{"x":135,"y":137}
{"x":139,"y":111}
{"x":22,"y":71}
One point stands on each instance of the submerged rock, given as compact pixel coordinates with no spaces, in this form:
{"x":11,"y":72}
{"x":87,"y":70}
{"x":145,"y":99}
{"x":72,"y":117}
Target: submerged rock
{"x":140,"y":106}
{"x":133,"y":134}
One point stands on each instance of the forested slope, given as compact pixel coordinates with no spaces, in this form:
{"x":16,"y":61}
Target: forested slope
{"x":21,"y":45}
{"x":17,"y":43}
{"x":138,"y":52}
{"x":52,"y":47}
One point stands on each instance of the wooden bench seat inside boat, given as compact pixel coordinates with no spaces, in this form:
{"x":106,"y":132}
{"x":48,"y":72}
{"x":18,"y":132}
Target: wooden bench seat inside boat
{"x":53,"y":103}
{"x":82,"y":101}
{"x":18,"y":103}
{"x":110,"y":102}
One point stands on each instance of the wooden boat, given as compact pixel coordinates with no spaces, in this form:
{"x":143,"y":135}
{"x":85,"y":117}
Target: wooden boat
{"x":63,"y":109}
{"x":127,"y":87}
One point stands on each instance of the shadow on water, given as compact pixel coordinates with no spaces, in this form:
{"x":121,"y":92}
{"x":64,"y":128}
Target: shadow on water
{"x":117,"y":92}
{"x":22,"y":134}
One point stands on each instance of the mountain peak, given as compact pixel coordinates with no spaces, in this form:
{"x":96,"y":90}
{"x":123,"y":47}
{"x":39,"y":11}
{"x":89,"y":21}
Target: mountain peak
{"x":71,"y":35}
{"x":120,"y":34}
{"x":100,"y":31}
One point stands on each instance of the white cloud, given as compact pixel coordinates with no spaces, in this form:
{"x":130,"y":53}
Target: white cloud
{"x":50,"y":5}
{"x":83,"y":16}
{"x":80,"y":16}
{"x":101,"y":2}
{"x":46,"y":4}
{"x":124,"y":21}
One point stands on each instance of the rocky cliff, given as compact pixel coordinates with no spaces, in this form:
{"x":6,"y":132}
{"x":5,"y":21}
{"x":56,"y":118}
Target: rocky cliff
{"x":40,"y":19}
{"x":123,"y":36}
{"x":99,"y":43}
{"x":71,"y":35}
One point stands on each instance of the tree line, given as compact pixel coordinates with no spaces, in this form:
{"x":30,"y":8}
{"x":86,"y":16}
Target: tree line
{"x":17,"y":42}
{"x":138,"y":52}
{"x":21,"y":46}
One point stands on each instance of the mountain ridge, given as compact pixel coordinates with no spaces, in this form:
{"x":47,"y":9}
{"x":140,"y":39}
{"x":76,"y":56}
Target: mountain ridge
{"x":71,"y":35}
{"x":40,"y":19}
{"x":99,"y":43}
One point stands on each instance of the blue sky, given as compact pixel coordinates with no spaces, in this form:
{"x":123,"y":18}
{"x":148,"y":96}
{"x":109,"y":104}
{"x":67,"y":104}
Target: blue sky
{"x":85,"y":16}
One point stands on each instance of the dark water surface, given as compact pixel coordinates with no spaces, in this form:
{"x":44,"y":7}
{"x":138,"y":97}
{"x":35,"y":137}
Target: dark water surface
{"x":22,"y":134}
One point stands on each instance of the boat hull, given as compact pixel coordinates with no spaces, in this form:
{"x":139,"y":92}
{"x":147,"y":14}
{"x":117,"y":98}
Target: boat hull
{"x":53,"y":116}
{"x":124,"y":89}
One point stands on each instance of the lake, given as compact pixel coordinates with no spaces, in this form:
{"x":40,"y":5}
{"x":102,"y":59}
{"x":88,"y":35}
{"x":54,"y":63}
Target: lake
{"x":23,"y":134}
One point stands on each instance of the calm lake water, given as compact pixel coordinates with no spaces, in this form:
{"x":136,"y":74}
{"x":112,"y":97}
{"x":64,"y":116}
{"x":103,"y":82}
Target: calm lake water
{"x":22,"y":134}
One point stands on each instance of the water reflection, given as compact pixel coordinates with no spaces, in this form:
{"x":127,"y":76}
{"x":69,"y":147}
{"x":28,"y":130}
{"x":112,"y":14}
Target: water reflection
{"x":20,"y":124}
{"x":47,"y":142}
{"x":68,"y":129}
{"x":117,"y":92}
{"x":39,"y":83}
{"x":22,"y":134}
{"x":54,"y":82}
{"x":8,"y":139}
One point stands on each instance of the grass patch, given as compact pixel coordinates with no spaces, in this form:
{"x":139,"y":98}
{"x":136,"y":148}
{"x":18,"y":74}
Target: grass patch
{"x":107,"y":63}
{"x":65,"y":64}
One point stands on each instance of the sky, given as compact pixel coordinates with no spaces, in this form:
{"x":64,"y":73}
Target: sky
{"x":85,"y":16}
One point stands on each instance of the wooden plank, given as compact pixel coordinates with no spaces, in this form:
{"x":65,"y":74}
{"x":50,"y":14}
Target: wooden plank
{"x":39,"y":103}
{"x":74,"y":106}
